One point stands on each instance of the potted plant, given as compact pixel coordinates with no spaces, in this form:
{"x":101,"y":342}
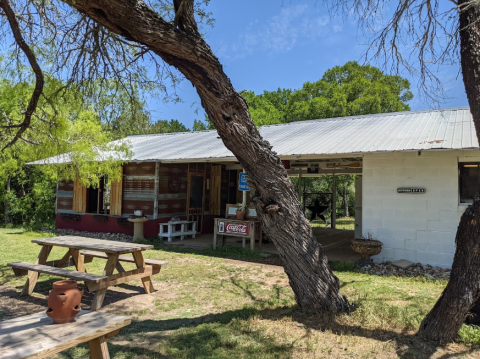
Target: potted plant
{"x":366,"y":247}
{"x":241,"y":210}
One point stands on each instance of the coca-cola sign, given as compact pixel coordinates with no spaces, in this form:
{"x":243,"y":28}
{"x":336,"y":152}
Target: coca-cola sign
{"x":233,"y":228}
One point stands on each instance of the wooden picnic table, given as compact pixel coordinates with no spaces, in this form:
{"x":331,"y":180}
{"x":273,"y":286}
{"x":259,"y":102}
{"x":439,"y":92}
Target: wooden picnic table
{"x":34,"y":336}
{"x":95,"y":248}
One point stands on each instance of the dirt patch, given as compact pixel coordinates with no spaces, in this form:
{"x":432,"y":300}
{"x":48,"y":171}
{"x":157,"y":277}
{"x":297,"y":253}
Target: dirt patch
{"x":12,"y":305}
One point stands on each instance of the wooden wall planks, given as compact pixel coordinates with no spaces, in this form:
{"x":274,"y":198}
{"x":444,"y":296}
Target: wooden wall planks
{"x":116,"y":191}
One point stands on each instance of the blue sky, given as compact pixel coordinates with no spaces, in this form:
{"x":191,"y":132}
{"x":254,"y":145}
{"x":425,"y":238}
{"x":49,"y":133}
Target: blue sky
{"x":264,"y":45}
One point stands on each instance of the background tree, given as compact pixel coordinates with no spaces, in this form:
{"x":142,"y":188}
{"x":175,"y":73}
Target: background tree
{"x":345,"y":185}
{"x":114,"y":34}
{"x":62,"y":125}
{"x":437,"y":33}
{"x":78,"y":124}
{"x":347,"y":90}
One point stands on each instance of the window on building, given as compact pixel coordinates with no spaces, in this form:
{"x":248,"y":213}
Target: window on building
{"x":98,"y":198}
{"x":469,"y":180}
{"x":105,"y":199}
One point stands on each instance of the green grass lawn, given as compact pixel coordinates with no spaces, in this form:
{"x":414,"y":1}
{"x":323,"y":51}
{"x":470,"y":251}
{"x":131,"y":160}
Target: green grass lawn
{"x":347,"y":223}
{"x":210,"y":306}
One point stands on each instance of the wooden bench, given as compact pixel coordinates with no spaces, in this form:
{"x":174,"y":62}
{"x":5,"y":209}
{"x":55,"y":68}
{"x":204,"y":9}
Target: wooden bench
{"x":89,"y":255}
{"x":34,"y":336}
{"x":171,"y":232}
{"x":56,"y":263}
{"x":22,"y":268}
{"x":95,"y":281}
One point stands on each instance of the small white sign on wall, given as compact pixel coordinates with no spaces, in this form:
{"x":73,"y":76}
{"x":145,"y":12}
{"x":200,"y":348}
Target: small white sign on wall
{"x":411,"y":190}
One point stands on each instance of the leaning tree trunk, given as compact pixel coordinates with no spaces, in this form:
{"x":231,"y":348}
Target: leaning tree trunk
{"x":315,"y":286}
{"x":447,"y":316}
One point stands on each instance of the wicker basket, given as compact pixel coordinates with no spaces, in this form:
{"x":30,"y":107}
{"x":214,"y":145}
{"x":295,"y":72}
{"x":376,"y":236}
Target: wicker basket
{"x":366,"y":247}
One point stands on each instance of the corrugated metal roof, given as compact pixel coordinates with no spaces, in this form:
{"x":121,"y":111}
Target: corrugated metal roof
{"x":400,"y":131}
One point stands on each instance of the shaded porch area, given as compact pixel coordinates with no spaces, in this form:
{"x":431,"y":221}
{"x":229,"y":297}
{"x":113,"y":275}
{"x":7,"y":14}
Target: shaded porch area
{"x":335,"y":241}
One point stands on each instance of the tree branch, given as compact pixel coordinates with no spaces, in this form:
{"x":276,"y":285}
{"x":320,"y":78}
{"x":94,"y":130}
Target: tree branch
{"x":32,"y":105}
{"x":184,"y":16}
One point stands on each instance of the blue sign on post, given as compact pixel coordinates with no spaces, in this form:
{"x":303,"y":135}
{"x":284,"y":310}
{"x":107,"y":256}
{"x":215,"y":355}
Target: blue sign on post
{"x":243,"y":182}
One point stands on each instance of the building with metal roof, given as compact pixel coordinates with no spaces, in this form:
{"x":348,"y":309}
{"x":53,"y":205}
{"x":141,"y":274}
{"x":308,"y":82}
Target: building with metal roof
{"x":400,"y":131}
{"x":416,"y":172}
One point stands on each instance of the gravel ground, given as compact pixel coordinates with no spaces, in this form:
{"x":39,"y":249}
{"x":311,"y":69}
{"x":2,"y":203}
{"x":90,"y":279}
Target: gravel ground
{"x":417,"y":270}
{"x":121,"y":237}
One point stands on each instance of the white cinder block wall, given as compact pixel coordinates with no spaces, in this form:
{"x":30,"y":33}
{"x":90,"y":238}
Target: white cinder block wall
{"x":416,"y":227}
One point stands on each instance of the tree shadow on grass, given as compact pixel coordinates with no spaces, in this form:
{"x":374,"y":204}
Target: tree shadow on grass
{"x":222,"y":335}
{"x":230,"y":334}
{"x":43,"y":287}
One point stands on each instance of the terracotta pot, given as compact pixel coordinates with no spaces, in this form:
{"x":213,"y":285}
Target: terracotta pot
{"x":366,"y":247}
{"x":240,"y":214}
{"x":64,"y":301}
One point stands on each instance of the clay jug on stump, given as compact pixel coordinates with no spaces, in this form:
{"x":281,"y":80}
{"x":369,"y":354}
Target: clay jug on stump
{"x":64,"y":301}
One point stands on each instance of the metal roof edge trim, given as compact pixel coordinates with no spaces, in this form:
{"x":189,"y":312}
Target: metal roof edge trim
{"x":166,"y":134}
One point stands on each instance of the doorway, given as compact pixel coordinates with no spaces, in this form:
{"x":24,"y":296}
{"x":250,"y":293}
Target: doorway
{"x":196,"y":193}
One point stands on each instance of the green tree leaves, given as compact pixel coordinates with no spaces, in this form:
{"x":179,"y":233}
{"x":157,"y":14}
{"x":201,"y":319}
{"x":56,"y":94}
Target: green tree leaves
{"x":347,"y":90}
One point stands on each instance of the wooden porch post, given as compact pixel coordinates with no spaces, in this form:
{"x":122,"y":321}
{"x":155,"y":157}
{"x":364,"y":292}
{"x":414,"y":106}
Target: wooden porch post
{"x":334,"y":203}
{"x":300,"y":197}
{"x":155,"y":195}
{"x":244,"y":195}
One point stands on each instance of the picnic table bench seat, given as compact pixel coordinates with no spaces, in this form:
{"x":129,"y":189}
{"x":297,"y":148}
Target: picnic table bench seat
{"x":71,"y":274}
{"x":34,"y":336}
{"x":89,"y":255}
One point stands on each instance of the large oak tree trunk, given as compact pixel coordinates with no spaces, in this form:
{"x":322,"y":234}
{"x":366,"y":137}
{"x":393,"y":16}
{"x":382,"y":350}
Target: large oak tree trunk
{"x":315,"y":286}
{"x":447,"y":316}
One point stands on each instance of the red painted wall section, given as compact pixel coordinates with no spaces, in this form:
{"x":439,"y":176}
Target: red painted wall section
{"x":150,"y":228}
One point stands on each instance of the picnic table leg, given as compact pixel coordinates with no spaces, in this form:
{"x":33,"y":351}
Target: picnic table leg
{"x":108,"y":271}
{"x":64,"y":259}
{"x":33,"y":276}
{"x":79,"y":264}
{"x":120,"y":268}
{"x":140,"y":262}
{"x":98,"y":348}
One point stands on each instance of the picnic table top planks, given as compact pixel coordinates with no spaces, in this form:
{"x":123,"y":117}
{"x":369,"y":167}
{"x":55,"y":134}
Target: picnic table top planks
{"x":101,"y":245}
{"x":34,"y":336}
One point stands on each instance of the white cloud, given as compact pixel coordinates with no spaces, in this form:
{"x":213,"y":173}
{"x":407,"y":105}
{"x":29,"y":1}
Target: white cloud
{"x":281,"y":33}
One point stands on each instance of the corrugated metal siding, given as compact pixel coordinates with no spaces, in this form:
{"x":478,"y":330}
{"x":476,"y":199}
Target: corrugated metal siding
{"x":402,"y":131}
{"x":139,"y":169}
{"x":138,"y":188}
{"x":65,"y":196}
